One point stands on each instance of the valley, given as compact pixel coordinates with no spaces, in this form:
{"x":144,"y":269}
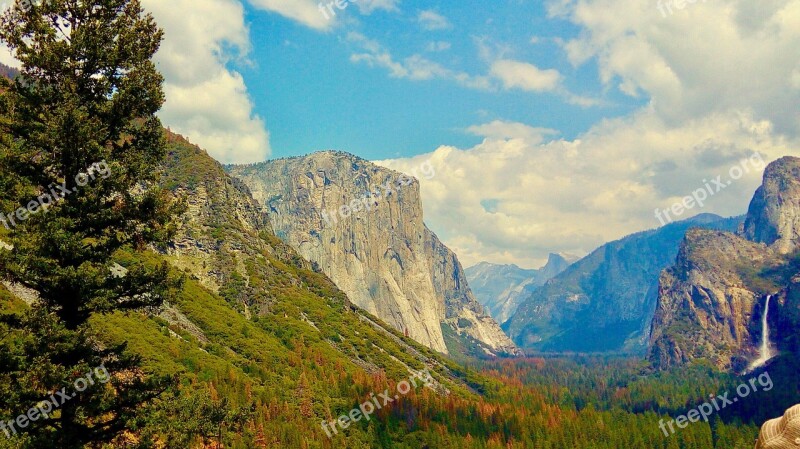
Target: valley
{"x":188,"y":262}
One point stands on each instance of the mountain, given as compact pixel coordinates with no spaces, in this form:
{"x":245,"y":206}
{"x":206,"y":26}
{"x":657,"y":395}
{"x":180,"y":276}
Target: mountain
{"x":362,"y":225}
{"x":774,"y":214}
{"x":256,"y":325}
{"x":712,"y":302}
{"x":501,"y":288}
{"x":605,"y":302}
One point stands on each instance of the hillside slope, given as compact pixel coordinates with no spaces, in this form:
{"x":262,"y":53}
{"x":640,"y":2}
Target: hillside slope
{"x":254,"y":324}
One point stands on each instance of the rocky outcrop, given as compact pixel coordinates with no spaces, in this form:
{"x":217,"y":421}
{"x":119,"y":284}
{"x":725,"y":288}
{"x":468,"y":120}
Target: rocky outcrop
{"x":362,"y":225}
{"x":224,"y":237}
{"x":774,"y":215}
{"x":706,"y":304}
{"x":605,"y":302}
{"x":712,"y":301}
{"x":501,"y":288}
{"x":217,"y":207}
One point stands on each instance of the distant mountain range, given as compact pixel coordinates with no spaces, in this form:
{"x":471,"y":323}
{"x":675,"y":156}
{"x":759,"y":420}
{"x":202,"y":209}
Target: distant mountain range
{"x":605,"y":302}
{"x":692,"y":290}
{"x":501,"y":288}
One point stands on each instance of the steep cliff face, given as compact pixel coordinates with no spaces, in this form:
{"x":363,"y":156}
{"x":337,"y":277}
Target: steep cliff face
{"x":362,"y":225}
{"x":501,"y":288}
{"x":605,"y":302}
{"x":712,"y":301}
{"x":774,"y":215}
{"x":706,"y":304}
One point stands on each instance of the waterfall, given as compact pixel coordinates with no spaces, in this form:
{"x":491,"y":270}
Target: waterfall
{"x":765,"y":352}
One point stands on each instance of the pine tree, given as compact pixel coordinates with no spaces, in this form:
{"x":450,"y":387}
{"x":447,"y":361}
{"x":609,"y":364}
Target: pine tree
{"x":80,"y":148}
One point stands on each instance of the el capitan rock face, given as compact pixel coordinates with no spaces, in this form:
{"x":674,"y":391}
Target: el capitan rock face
{"x":380,"y":253}
{"x":712,"y":301}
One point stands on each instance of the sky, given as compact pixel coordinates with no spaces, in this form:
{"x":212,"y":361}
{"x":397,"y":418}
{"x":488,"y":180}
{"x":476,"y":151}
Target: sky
{"x":553,"y":126}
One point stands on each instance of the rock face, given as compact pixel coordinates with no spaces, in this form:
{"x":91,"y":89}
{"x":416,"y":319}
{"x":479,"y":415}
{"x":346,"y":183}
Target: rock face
{"x":705,"y":306}
{"x":712,"y":301}
{"x":362,"y":225}
{"x":501,"y":288}
{"x":605,"y":302}
{"x":223,"y":229}
{"x":774,"y":215}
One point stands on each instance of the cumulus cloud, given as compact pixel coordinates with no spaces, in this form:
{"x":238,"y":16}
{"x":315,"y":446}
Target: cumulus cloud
{"x":502,"y":130}
{"x":719,"y":84}
{"x":206,"y":101}
{"x":705,"y":58}
{"x":305,"y":12}
{"x":515,"y":198}
{"x":431,"y":20}
{"x":518,"y":75}
{"x":321,"y":14}
{"x":524,"y":76}
{"x":504,"y":74}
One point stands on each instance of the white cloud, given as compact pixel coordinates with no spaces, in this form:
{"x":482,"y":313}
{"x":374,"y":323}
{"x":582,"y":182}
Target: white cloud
{"x":431,"y":20}
{"x":306,"y":12}
{"x":505,"y":74}
{"x":705,"y":58}
{"x":7,"y":58}
{"x":207,"y":102}
{"x":414,"y":67}
{"x":720,"y":82}
{"x":572,"y":196}
{"x":524,"y":76}
{"x":503,"y":130}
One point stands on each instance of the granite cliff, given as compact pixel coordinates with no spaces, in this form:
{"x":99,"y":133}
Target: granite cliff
{"x":712,"y":300}
{"x":362,"y":225}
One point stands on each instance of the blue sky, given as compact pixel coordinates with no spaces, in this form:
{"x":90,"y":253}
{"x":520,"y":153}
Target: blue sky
{"x":312,"y":96}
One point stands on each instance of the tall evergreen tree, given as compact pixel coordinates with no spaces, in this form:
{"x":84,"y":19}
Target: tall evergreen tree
{"x":80,"y":148}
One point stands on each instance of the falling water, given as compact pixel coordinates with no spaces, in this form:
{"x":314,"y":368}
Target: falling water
{"x":765,"y":353}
